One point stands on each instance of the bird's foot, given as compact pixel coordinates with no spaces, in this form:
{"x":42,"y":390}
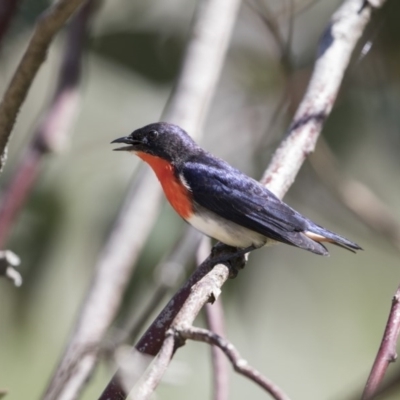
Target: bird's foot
{"x":234,"y":258}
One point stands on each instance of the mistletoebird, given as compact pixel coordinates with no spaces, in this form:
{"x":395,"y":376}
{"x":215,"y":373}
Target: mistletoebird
{"x":219,"y":200}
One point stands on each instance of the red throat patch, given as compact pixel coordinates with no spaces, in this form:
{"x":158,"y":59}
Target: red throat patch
{"x":176,"y":193}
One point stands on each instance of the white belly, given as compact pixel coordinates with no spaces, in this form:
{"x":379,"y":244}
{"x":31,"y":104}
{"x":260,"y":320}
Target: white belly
{"x":225,"y":231}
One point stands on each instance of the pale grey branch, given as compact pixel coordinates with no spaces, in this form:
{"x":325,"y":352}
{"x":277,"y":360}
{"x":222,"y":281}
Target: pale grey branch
{"x":202,"y":64}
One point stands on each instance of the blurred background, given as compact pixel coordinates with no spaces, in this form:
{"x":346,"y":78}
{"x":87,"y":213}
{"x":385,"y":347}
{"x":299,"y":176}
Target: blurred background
{"x":311,"y":324}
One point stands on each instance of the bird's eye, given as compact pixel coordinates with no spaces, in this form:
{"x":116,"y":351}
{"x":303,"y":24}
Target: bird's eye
{"x":152,"y":134}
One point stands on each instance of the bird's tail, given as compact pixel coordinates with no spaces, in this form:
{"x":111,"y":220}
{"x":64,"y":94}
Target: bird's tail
{"x":319,"y":234}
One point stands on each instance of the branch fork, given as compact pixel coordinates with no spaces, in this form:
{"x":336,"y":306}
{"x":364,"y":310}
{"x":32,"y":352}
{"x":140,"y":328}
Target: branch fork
{"x":239,"y":364}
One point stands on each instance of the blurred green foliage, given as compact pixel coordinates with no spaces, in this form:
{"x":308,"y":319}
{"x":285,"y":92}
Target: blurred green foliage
{"x":309,"y":323}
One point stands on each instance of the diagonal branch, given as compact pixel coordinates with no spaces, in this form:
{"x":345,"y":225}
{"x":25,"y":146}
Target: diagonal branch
{"x":113,"y":271}
{"x":49,"y":23}
{"x":205,"y":283}
{"x":202,"y":64}
{"x":387,"y":350}
{"x":203,"y":286}
{"x":239,"y":364}
{"x":204,"y":56}
{"x":154,"y":375}
{"x":335,"y":49}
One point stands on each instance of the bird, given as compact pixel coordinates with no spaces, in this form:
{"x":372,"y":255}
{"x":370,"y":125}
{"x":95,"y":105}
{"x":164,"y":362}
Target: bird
{"x":219,"y":200}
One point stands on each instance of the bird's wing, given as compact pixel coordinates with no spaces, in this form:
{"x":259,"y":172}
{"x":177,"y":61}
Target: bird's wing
{"x":238,"y":198}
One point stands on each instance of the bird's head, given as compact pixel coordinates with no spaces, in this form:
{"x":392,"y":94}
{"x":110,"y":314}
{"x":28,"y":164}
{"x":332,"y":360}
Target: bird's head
{"x":160,"y":139}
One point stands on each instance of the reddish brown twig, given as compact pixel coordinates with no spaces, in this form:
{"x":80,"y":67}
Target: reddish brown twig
{"x":48,"y":24}
{"x":387,"y":350}
{"x":239,"y":364}
{"x":54,"y":128}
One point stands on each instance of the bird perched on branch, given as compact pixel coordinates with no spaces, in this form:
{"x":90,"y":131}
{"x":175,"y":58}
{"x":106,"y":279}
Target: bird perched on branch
{"x":219,"y":200}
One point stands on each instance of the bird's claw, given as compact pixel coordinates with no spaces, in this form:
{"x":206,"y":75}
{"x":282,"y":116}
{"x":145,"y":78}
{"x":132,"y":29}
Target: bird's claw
{"x":234,"y":258}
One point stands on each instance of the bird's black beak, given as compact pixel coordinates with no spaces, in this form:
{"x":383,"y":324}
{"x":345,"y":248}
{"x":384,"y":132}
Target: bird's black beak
{"x":127,"y":140}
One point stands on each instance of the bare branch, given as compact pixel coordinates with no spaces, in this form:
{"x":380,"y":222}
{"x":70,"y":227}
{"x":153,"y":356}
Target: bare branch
{"x":206,"y":283}
{"x":215,"y":322}
{"x":239,"y":364}
{"x":49,"y":23}
{"x":387,"y":388}
{"x":113,"y":271}
{"x":211,"y":31}
{"x":345,"y":28}
{"x":387,"y":350}
{"x":151,"y":341}
{"x":154,"y":374}
{"x":335,"y":49}
{"x":115,"y":264}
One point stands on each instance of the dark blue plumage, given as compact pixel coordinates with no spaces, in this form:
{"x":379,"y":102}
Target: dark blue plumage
{"x":227,"y":204}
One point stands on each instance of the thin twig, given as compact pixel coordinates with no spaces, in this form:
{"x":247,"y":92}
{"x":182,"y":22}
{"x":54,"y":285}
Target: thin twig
{"x":215,"y":322}
{"x":387,"y":350}
{"x":239,"y":364}
{"x":48,"y":24}
{"x":271,"y":22}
